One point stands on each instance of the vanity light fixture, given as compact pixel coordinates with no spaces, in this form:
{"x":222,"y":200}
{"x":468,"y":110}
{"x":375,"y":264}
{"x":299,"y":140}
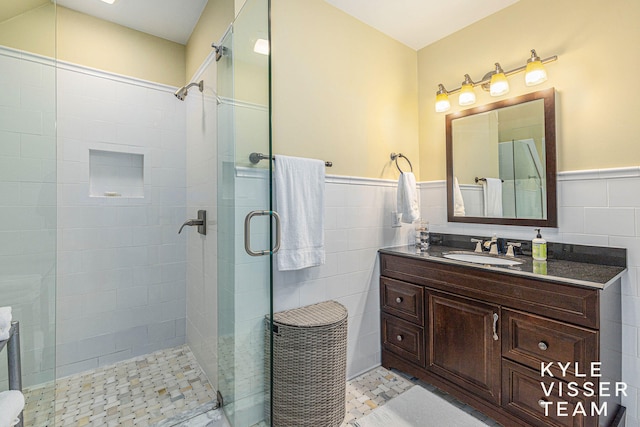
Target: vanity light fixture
{"x":467,"y":95}
{"x":499,"y":84}
{"x":442,"y":100}
{"x":495,"y":81}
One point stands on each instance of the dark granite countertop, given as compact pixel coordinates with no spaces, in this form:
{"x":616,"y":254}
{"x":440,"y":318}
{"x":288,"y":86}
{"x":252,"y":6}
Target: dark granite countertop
{"x":591,"y":270}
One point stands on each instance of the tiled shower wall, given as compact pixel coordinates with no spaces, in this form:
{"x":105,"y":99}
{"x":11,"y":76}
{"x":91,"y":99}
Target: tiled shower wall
{"x":601,"y":208}
{"x":121,"y":283}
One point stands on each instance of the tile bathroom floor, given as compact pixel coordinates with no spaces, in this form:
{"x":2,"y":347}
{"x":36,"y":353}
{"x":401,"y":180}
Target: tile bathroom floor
{"x":136,"y":392}
{"x":158,"y":387}
{"x":376,"y":387}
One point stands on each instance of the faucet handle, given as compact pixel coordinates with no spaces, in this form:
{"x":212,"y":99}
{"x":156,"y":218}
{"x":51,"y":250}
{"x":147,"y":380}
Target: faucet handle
{"x":511,"y":245}
{"x":478,"y":243}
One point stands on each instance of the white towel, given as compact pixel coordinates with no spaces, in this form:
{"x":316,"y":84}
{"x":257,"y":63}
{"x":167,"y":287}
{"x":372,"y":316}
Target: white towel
{"x":408,"y":203}
{"x":458,"y":200}
{"x":492,"y":188}
{"x":11,"y":404}
{"x":300,"y":203}
{"x":5,"y":323}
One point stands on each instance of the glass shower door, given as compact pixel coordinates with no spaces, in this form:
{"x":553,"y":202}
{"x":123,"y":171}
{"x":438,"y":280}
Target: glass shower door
{"x":28,"y":199}
{"x":244,"y":198}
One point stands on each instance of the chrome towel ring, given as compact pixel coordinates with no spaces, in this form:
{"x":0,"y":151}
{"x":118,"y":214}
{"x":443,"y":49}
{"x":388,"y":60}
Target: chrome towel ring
{"x":394,"y":156}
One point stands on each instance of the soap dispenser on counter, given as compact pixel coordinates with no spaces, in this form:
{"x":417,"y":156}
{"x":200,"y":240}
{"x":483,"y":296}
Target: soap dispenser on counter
{"x":539,"y":247}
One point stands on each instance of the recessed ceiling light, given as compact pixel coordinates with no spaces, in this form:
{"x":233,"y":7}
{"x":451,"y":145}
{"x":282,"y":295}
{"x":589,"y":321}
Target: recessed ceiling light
{"x":261,"y":47}
{"x":109,"y":1}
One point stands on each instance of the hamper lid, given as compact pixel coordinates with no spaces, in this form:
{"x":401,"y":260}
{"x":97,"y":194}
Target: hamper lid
{"x":320,"y":314}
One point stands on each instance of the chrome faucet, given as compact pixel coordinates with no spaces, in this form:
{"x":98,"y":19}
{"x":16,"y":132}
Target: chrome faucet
{"x":510,"y":246}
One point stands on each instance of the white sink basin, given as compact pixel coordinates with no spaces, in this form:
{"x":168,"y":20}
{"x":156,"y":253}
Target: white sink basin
{"x":481,"y":259}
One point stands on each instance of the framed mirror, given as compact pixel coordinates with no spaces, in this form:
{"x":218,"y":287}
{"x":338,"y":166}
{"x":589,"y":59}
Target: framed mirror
{"x":501,"y":162}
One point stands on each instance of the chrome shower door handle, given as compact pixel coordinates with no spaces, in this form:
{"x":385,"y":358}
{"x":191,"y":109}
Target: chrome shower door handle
{"x":247,"y":233}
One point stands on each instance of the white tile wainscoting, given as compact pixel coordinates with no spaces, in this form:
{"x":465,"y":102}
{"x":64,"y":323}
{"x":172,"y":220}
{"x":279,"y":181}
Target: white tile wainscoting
{"x":357,"y":224}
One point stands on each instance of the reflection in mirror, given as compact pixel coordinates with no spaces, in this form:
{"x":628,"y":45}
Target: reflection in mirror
{"x":501,"y":162}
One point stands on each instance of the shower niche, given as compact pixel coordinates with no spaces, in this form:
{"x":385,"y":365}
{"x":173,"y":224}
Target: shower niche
{"x":116,"y":174}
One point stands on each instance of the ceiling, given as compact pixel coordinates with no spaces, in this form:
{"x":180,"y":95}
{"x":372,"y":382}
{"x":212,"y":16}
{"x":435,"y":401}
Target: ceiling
{"x":418,"y":23}
{"x":415,"y":23}
{"x":170,"y":19}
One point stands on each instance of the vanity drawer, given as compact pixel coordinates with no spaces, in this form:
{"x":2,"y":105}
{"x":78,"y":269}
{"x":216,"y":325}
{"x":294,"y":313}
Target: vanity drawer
{"x":403,"y":338}
{"x":403,"y":300}
{"x":522,"y":395}
{"x":531,"y":340}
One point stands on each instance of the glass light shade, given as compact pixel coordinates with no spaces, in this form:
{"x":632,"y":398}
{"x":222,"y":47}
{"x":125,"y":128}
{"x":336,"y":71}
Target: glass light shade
{"x":535,"y":73}
{"x":442,"y":103}
{"x":499,"y":85}
{"x":467,"y":95}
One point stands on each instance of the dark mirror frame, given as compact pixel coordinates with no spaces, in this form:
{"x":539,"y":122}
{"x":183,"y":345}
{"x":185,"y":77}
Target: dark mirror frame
{"x":550,"y":159}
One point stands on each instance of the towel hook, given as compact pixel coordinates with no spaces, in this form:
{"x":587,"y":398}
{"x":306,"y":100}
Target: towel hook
{"x":395,"y":156}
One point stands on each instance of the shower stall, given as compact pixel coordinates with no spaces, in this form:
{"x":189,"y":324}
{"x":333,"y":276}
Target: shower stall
{"x":98,"y":171}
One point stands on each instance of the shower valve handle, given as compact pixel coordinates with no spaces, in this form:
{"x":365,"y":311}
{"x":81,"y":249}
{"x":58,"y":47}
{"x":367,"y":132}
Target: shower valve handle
{"x":201,"y":222}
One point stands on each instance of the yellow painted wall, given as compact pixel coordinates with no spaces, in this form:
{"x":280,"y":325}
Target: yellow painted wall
{"x":92,"y":42}
{"x":596,"y":114}
{"x":215,"y":18}
{"x":342,"y":91}
{"x":32,"y":30}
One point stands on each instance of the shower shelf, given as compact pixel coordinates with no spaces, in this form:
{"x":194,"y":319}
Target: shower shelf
{"x":116,"y":174}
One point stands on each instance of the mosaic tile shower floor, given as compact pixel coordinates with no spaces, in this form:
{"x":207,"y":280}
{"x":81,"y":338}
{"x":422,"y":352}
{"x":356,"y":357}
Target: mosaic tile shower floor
{"x":135,"y":392}
{"x":160,"y":386}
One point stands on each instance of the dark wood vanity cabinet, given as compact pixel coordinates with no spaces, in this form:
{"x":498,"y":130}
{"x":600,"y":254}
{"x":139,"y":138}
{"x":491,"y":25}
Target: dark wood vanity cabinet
{"x":462,"y":348}
{"x":482,"y":336}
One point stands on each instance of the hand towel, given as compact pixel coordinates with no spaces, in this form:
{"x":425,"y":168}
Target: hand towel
{"x":300,"y":203}
{"x":11,"y":404}
{"x":458,"y":201}
{"x":408,"y":203}
{"x":492,"y":188}
{"x":5,"y":323}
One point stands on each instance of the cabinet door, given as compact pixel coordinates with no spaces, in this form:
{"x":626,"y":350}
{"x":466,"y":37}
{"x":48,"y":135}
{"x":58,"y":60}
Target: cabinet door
{"x":464,"y":345}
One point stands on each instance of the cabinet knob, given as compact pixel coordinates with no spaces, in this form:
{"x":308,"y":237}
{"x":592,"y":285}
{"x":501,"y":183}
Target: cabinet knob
{"x":399,"y":337}
{"x":542,"y":403}
{"x":543,"y":345}
{"x":399,"y":300}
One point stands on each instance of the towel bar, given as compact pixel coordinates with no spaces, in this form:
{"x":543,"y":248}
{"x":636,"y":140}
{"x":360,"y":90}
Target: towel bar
{"x":256,"y":157}
{"x":484,"y":179}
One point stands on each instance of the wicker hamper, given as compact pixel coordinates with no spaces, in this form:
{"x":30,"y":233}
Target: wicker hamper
{"x":309,"y":365}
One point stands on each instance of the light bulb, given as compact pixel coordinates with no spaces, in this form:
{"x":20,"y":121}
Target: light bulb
{"x":467,"y":94}
{"x":535,"y":72}
{"x":499,"y":84}
{"x":442,"y":100}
